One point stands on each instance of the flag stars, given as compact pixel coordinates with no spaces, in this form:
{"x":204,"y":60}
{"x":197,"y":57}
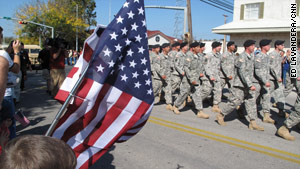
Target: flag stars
{"x":134,"y":26}
{"x":113,"y":36}
{"x":141,"y":11}
{"x":107,"y":52}
{"x":126,"y":4}
{"x":124,"y":78}
{"x":138,"y":38}
{"x":141,"y":50}
{"x":135,"y":75}
{"x":137,"y":85}
{"x":132,"y":64}
{"x":149,"y":91}
{"x":121,"y":67}
{"x":144,"y":22}
{"x":144,"y":61}
{"x":146,"y":72}
{"x":124,"y":31}
{"x":130,"y":15}
{"x":111,"y":63}
{"x":118,"y":47}
{"x":138,"y":1}
{"x":129,"y":52}
{"x":127,"y":41}
{"x":120,"y":19}
{"x":100,"y":68}
{"x":148,"y":82}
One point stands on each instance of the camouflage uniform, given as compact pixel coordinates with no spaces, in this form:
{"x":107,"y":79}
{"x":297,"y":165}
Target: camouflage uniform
{"x":227,"y":67}
{"x":262,"y":76}
{"x":155,"y":69}
{"x":166,"y":71}
{"x":212,"y":70}
{"x":206,"y":86}
{"x":276,"y":88}
{"x":176,"y":79}
{"x":241,"y":87}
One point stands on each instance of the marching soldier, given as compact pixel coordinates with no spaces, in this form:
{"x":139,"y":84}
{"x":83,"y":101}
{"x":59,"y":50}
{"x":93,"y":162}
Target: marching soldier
{"x":166,"y":74}
{"x":155,"y":69}
{"x":206,"y":86}
{"x":262,"y":79}
{"x":227,"y":65}
{"x":277,"y":88}
{"x":212,"y":70}
{"x":243,"y":88}
{"x":294,"y":117}
{"x":175,"y":80}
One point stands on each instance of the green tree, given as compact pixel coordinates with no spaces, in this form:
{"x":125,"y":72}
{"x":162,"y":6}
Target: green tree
{"x":60,"y":14}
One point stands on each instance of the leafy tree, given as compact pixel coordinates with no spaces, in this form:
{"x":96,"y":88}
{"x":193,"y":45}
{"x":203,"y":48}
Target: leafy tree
{"x":60,"y":14}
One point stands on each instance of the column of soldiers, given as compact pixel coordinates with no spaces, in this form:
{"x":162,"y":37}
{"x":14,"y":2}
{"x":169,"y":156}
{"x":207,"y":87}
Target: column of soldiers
{"x":180,"y":71}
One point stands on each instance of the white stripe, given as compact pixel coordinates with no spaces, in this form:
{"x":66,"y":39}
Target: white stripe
{"x":113,"y":129}
{"x":84,"y":107}
{"x":109,"y":100}
{"x":86,"y":155}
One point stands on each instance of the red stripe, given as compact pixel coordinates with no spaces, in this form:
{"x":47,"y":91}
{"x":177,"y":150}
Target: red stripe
{"x":87,"y":53}
{"x":83,"y":121}
{"x":82,"y":93}
{"x":142,"y":109}
{"x":72,"y":72}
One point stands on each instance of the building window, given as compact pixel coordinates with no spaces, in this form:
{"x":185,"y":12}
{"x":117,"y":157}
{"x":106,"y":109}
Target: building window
{"x":157,"y":38}
{"x":252,"y":11}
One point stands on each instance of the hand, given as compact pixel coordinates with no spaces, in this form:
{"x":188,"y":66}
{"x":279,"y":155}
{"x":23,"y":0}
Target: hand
{"x":201,"y":74}
{"x":252,"y":88}
{"x":298,"y":79}
{"x":212,"y":79}
{"x":280,"y":80}
{"x":230,"y":77}
{"x":164,"y":76}
{"x":17,"y":46}
{"x":268,"y":84}
{"x":183,"y":74}
{"x":194,"y":82}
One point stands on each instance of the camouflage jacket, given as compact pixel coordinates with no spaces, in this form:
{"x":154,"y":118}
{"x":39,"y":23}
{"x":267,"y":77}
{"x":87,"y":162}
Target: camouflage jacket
{"x":213,"y":67}
{"x":275,"y":65}
{"x":262,"y":68}
{"x":227,"y":65}
{"x":245,"y":70}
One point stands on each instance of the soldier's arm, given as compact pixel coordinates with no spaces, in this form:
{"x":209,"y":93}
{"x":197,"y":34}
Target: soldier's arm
{"x":179,"y":65}
{"x":225,"y":66}
{"x":209,"y":68}
{"x":259,"y":70}
{"x":241,"y":68}
{"x":273,"y":67}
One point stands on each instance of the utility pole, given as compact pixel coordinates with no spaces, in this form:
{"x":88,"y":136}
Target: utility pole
{"x":76,"y":28}
{"x":224,"y":41}
{"x":188,"y":4}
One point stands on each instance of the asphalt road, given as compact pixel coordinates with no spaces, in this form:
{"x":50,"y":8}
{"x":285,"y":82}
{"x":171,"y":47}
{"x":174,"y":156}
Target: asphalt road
{"x":170,"y":141}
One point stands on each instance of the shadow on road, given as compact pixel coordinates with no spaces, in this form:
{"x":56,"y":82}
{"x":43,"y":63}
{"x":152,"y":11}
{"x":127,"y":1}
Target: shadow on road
{"x":105,"y":161}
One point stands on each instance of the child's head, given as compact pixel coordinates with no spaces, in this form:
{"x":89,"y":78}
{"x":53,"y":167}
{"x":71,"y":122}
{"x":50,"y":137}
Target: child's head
{"x":37,"y":152}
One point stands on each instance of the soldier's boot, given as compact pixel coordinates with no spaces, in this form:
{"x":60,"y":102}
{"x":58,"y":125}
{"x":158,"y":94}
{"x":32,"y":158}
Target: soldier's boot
{"x":254,"y":126}
{"x":169,"y":107}
{"x":175,"y":110}
{"x":220,"y":119}
{"x":284,"y":133}
{"x":268,"y":119}
{"x":202,"y":115}
{"x":216,"y":108}
{"x":283,"y":114}
{"x":189,"y":99}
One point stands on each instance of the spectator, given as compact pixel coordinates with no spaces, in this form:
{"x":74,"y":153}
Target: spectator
{"x":57,"y":66}
{"x":25,"y":63}
{"x":37,"y":152}
{"x":286,"y":66}
{"x":4,"y":65}
{"x":44,"y":58}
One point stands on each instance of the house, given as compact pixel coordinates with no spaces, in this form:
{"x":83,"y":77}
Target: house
{"x":260,"y":19}
{"x":157,"y":37}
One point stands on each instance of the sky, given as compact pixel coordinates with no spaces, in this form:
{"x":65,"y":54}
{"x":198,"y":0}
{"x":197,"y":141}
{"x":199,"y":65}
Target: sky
{"x":204,"y":16}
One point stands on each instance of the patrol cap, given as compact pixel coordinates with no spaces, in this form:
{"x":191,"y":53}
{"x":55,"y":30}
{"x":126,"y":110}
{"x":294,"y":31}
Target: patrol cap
{"x":278,"y":42}
{"x":215,"y":44}
{"x":202,"y":44}
{"x":230,"y":43}
{"x":155,"y":46}
{"x":264,"y":42}
{"x":150,"y":47}
{"x":248,"y":43}
{"x":183,"y":44}
{"x":175,"y":44}
{"x":165,"y":45}
{"x":194,"y":44}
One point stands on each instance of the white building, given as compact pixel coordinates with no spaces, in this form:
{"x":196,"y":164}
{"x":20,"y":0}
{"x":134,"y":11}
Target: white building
{"x":157,"y":37}
{"x":260,"y":19}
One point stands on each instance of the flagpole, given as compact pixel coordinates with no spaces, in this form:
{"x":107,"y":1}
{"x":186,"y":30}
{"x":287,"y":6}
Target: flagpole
{"x":66,"y":103}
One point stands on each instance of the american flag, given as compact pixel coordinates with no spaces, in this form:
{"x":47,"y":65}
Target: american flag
{"x":115,"y":98}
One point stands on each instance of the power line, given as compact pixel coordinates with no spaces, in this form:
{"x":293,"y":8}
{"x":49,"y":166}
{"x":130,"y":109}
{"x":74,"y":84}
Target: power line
{"x":227,"y":10}
{"x":222,"y":4}
{"x":228,"y":2}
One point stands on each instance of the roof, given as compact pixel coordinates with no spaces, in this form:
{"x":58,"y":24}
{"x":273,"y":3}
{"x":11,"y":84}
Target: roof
{"x":156,"y":32}
{"x":255,"y":26}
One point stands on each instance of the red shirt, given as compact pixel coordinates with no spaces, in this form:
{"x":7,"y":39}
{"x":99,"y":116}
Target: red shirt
{"x":59,"y":62}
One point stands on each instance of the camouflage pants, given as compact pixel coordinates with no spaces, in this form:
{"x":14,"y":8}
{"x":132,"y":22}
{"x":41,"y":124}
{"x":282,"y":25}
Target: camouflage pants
{"x":294,"y":117}
{"x":175,"y":82}
{"x":185,"y":89}
{"x":289,"y":85}
{"x":157,"y":86}
{"x":276,"y":90}
{"x":263,"y":97}
{"x":217,"y":91}
{"x":167,"y":88}
{"x":226,"y":82}
{"x":197,"y":97}
{"x":240,"y":95}
{"x":206,"y":89}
